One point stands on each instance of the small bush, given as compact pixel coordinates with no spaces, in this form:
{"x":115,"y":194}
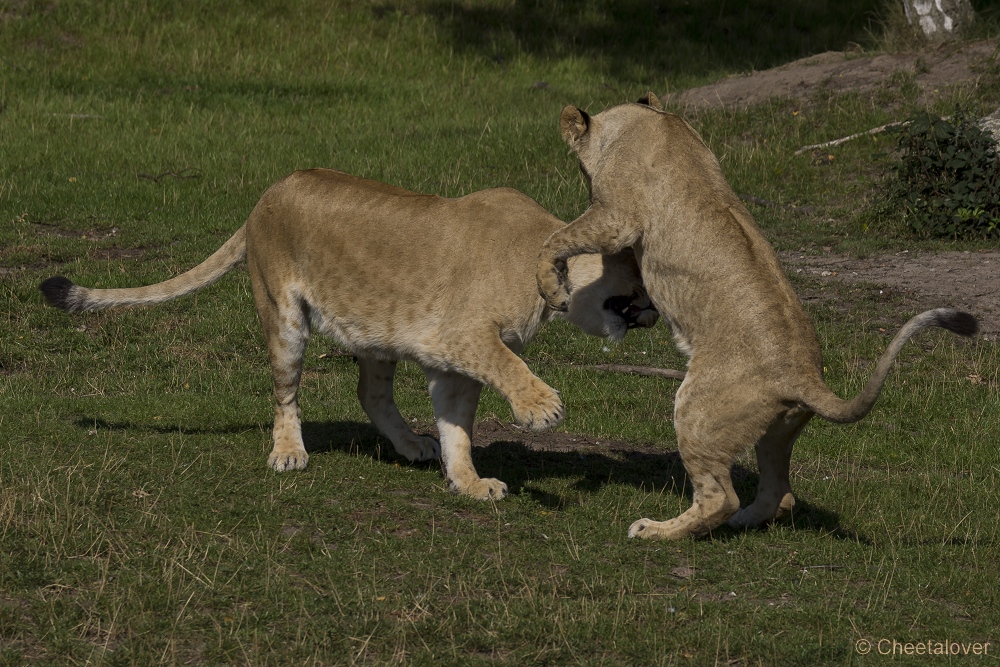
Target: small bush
{"x":948,"y":178}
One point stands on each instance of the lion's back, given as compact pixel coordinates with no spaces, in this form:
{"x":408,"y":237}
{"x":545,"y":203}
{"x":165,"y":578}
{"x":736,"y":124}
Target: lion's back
{"x":397,"y":273}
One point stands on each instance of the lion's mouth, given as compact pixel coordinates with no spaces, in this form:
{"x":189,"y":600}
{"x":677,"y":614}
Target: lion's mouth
{"x":635,"y":316}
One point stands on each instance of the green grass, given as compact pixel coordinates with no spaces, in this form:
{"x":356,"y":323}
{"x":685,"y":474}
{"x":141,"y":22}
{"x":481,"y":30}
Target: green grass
{"x":138,"y":522}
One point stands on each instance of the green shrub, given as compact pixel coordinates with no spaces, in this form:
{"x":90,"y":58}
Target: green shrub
{"x":948,"y":178}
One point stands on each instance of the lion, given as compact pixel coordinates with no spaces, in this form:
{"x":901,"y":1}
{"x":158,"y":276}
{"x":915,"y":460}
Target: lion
{"x":755,"y":372}
{"x":393,"y":275}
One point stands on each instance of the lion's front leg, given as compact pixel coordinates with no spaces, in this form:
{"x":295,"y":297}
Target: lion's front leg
{"x":553,"y":282}
{"x":455,"y":398}
{"x":536,"y":405}
{"x":593,"y":232}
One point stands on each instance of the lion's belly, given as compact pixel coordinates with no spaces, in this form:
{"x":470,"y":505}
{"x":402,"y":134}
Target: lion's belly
{"x":405,"y":335}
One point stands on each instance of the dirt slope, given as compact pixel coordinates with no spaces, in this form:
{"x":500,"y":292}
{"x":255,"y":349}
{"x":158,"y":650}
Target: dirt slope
{"x":839,"y":72}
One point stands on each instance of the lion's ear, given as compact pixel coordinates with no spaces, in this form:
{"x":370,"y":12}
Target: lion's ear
{"x":650,"y":100}
{"x":574,"y":124}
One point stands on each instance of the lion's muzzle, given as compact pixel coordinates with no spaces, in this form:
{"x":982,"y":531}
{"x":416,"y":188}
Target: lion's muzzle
{"x":634,"y":315}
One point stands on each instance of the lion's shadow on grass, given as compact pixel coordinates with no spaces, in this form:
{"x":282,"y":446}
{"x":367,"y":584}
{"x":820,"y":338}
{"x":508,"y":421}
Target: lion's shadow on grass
{"x":656,"y":472}
{"x":99,"y":424}
{"x":355,"y":438}
{"x":519,"y":465}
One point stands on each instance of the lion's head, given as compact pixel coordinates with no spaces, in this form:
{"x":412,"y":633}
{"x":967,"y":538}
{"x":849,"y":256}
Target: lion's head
{"x":607,"y":297}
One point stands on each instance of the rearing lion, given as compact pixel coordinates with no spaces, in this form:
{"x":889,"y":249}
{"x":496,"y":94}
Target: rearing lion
{"x":755,"y":375}
{"x":391,"y":275}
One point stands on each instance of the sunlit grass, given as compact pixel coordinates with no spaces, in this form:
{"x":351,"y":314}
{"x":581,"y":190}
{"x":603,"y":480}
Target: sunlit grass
{"x":138,"y":522}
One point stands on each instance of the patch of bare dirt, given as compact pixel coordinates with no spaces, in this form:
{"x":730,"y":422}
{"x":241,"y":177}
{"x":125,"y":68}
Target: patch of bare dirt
{"x":839,"y":72}
{"x":11,"y":270}
{"x":84,"y":234}
{"x":492,"y":430}
{"x":968,"y":281}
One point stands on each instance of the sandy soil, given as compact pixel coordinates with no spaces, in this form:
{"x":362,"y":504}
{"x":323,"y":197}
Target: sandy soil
{"x":491,"y":431}
{"x":968,"y":281}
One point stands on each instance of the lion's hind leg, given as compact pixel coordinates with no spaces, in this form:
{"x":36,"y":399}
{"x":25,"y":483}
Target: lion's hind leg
{"x":774,"y":498}
{"x":375,"y":393}
{"x":455,"y":398}
{"x":707,"y":443}
{"x":715,"y":500}
{"x":286,"y":330}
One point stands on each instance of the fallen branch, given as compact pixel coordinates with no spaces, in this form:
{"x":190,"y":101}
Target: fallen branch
{"x":642,"y":370}
{"x":836,"y":142}
{"x":184,"y":174}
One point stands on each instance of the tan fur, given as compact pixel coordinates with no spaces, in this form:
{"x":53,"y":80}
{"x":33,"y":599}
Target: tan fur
{"x":755,"y":370}
{"x":391,"y":275}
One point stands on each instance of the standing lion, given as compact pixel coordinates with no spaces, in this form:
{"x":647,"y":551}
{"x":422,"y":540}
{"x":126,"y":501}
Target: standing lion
{"x":391,"y":275}
{"x":755,"y":375}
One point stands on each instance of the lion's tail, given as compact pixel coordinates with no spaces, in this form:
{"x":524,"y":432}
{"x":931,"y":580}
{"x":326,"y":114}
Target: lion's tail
{"x":826,"y":404}
{"x":62,"y":293}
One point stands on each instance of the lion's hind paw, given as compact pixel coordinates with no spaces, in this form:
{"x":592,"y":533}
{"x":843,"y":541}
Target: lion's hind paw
{"x":419,"y":449}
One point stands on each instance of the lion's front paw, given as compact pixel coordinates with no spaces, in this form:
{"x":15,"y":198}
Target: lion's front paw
{"x":552,"y":286}
{"x":419,"y":449}
{"x":545,"y":412}
{"x":485,"y":489}
{"x":785,"y":507}
{"x":558,"y":299}
{"x":281,"y":461}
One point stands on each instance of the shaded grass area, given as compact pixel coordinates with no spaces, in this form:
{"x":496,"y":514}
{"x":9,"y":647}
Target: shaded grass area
{"x":138,"y":523}
{"x":645,"y":41}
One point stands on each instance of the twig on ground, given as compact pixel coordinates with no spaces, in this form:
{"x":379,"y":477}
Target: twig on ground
{"x":183,"y":174}
{"x":642,"y":370}
{"x":836,"y":142}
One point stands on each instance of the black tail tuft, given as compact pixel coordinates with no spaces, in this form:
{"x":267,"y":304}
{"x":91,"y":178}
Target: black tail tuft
{"x":57,"y":292}
{"x":956,"y":321}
